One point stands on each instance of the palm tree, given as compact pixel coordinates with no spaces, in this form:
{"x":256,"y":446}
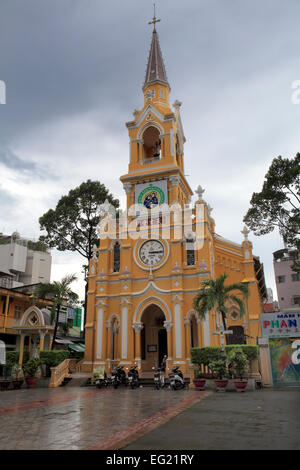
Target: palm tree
{"x":61,"y":292}
{"x":215,"y":294}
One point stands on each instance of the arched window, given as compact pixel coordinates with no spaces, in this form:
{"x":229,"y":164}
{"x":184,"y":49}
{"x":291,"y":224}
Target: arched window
{"x":116,"y":257}
{"x":190,"y":252}
{"x":194,"y":332}
{"x":152,"y":144}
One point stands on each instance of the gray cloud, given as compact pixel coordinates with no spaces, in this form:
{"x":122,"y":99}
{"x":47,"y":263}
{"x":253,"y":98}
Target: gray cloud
{"x":74,"y":72}
{"x":25,"y":168}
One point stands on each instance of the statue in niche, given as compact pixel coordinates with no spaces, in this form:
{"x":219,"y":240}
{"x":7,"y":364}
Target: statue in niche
{"x":156,"y":149}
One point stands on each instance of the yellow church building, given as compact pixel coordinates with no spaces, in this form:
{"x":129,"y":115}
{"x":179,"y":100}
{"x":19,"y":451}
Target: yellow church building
{"x":142,"y":281}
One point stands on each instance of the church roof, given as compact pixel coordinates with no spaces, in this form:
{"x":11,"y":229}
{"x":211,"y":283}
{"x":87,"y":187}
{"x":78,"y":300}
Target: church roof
{"x":155,"y":68}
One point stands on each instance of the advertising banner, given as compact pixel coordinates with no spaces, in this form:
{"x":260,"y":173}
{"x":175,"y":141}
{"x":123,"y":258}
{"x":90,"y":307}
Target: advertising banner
{"x":280,"y":325}
{"x":285,"y":360}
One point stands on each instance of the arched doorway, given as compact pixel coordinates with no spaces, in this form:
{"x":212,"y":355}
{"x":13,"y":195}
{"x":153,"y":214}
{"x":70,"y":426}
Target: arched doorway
{"x":154,"y":343}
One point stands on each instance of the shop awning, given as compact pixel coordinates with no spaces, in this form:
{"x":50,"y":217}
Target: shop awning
{"x":64,"y":341}
{"x":77,"y":347}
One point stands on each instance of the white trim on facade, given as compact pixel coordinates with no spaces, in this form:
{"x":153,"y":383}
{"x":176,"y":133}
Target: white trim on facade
{"x":99,"y":332}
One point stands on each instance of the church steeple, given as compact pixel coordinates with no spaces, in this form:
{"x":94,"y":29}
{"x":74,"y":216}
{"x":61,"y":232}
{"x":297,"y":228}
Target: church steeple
{"x":156,"y":71}
{"x":156,"y":136}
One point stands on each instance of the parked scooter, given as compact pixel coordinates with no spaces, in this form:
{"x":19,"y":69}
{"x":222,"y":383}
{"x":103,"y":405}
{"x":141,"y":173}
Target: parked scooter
{"x":159,"y":378}
{"x":100,"y":377}
{"x":133,"y":377}
{"x":118,"y":376}
{"x":176,"y":379}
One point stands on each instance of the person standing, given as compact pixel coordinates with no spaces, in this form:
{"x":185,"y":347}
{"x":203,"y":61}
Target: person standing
{"x":164,"y":363}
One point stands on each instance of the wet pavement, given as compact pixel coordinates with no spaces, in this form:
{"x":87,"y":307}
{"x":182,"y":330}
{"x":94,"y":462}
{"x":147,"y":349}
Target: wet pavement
{"x":86,"y":418}
{"x":263,"y":420}
{"x":147,"y":419}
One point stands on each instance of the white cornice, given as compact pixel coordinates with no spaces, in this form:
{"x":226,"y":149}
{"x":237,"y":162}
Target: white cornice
{"x":136,"y":174}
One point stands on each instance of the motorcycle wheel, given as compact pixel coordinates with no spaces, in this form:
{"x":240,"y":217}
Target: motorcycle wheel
{"x":99,"y":386}
{"x":157,"y":386}
{"x":115,"y":386}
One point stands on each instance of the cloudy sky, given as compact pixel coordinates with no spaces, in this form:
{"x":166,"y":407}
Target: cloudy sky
{"x":74,"y":69}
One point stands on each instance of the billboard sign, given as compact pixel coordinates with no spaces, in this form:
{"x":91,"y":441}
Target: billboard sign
{"x":280,"y":325}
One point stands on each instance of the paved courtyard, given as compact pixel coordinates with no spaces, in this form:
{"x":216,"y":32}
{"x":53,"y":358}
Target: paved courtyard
{"x":262,"y":419}
{"x":85,"y":418}
{"x":88,"y":418}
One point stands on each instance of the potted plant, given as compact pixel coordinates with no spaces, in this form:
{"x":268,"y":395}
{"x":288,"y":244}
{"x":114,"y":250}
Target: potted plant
{"x":30,"y":369}
{"x":238,"y":363}
{"x":219,"y":369}
{"x":199,"y":382}
{"x":17,"y":376}
{"x":4,"y":382}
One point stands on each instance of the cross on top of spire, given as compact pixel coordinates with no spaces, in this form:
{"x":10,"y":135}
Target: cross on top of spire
{"x":155,"y":71}
{"x":154,"y":19}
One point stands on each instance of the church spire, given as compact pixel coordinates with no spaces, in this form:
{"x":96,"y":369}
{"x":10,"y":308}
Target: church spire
{"x":155,"y":71}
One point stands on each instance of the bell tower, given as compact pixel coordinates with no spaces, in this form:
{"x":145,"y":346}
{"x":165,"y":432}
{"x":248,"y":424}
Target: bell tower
{"x":156,"y":136}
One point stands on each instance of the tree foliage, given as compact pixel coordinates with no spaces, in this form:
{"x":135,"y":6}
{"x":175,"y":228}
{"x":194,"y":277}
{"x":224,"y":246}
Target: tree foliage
{"x":60,"y":292}
{"x":72,"y":225}
{"x":278,"y":203}
{"x":215,"y":294}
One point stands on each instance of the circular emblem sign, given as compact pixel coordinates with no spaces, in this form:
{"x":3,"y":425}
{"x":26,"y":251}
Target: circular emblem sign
{"x":151,"y":197}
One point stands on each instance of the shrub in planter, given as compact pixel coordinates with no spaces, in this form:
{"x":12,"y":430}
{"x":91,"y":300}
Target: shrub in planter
{"x":199,"y":382}
{"x":30,"y":369}
{"x":53,"y":358}
{"x":4,"y":382}
{"x":219,"y":369}
{"x":208,"y":354}
{"x":12,"y":357}
{"x":238,"y":363}
{"x":17,"y":379}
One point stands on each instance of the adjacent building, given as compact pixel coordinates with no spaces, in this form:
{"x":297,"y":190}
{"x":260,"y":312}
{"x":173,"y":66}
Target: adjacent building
{"x":287,"y":280}
{"x":25,"y":321}
{"x":23,"y":262}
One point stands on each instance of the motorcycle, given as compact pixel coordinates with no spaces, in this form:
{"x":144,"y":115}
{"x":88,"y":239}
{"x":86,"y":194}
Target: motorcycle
{"x":118,"y":376}
{"x":159,"y":378}
{"x":101,"y":381}
{"x":133,"y":377}
{"x":99,"y":377}
{"x":176,"y":379}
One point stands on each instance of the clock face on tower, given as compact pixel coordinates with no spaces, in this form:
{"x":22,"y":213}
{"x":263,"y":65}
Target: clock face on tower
{"x":151,"y":252}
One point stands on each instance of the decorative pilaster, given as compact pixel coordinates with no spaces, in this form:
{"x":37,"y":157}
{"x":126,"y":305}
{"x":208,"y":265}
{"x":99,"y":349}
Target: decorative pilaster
{"x":168,"y":325}
{"x":42,"y":341}
{"x":199,"y":331}
{"x":109,"y":342}
{"x":187,"y":325}
{"x":21,"y":349}
{"x":138,"y":326}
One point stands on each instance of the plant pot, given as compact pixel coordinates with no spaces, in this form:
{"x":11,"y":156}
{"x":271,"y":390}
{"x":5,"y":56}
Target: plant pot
{"x":240,"y":385}
{"x":199,"y":384}
{"x":221,"y":384}
{"x":30,"y":381}
{"x":4,"y":384}
{"x":17,"y":384}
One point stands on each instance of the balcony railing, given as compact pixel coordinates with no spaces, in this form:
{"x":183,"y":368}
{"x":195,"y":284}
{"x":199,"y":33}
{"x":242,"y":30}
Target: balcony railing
{"x":6,"y":282}
{"x":148,"y":161}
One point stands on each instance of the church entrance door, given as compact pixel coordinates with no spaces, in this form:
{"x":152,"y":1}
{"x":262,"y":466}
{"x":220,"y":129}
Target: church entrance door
{"x":153,"y":337}
{"x":162,"y":344}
